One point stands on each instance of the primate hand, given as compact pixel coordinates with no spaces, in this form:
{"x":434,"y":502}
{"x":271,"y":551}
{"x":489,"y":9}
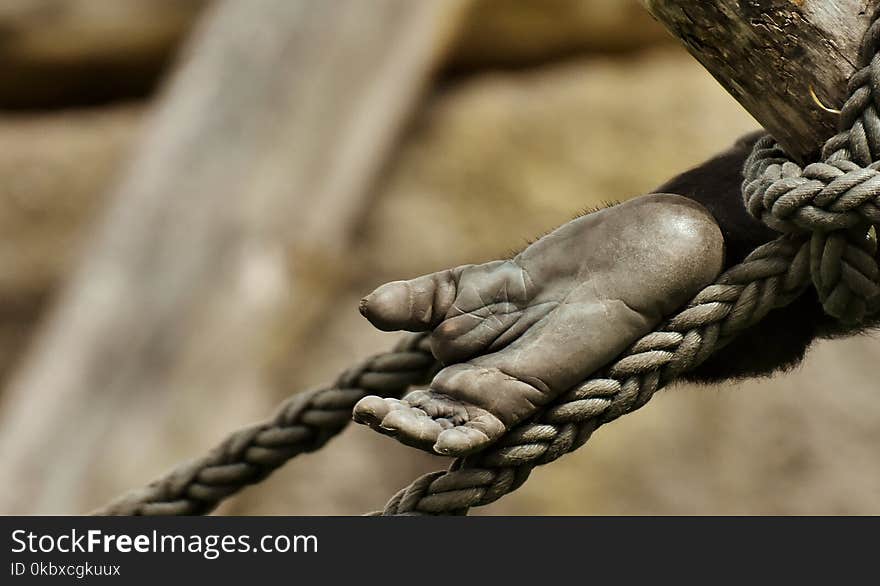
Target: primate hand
{"x":515,"y":334}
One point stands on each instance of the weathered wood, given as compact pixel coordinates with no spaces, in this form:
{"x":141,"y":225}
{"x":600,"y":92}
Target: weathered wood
{"x":773,"y":55}
{"x":250,"y":181}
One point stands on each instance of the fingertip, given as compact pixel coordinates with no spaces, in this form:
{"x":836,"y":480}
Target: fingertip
{"x":411,"y":426}
{"x":389,"y":307}
{"x":371,"y":410}
{"x":460,"y":441}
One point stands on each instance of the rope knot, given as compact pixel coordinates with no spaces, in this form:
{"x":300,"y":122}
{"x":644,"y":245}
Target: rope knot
{"x":832,"y":205}
{"x":843,"y":266}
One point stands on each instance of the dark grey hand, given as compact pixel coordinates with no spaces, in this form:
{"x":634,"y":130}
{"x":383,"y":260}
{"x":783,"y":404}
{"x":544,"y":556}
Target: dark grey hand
{"x":516,"y":334}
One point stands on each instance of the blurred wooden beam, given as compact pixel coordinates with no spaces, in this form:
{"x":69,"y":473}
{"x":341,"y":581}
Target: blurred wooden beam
{"x":254,"y":171}
{"x":773,"y":55}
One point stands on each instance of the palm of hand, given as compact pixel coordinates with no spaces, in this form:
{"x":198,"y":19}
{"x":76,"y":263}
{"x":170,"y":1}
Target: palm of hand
{"x":516,"y":334}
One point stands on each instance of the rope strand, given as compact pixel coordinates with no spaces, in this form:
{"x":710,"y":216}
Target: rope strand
{"x":303,"y":423}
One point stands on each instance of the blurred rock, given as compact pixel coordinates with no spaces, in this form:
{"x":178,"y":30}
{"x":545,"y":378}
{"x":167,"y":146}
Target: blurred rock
{"x":75,"y":52}
{"x":522,"y":32}
{"x":55,"y":169}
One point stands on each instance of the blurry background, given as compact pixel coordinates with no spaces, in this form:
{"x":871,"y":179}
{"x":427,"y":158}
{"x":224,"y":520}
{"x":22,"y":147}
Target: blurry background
{"x":536,"y":109}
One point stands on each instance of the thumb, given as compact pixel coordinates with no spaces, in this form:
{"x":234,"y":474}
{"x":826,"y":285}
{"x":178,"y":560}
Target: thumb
{"x":416,"y":305}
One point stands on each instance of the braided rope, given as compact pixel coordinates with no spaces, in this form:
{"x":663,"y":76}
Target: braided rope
{"x":827,"y":211}
{"x":303,"y":423}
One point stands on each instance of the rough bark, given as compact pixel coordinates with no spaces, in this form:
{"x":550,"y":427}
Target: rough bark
{"x":253,"y":174}
{"x":773,"y":56}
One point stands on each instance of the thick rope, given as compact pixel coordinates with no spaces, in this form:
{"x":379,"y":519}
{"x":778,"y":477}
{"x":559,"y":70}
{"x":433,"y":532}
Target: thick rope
{"x":828,"y":212}
{"x":303,"y":423}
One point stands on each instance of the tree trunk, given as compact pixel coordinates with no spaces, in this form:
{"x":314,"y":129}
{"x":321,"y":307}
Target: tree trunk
{"x":252,"y":176}
{"x":778,"y":58}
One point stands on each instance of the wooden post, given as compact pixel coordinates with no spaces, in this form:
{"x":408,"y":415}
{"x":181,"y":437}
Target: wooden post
{"x":779,"y":58}
{"x":252,"y":176}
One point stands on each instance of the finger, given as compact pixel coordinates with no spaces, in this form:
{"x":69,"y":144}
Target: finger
{"x":416,"y":305}
{"x":470,"y":437}
{"x":372,"y":410}
{"x":412,"y":426}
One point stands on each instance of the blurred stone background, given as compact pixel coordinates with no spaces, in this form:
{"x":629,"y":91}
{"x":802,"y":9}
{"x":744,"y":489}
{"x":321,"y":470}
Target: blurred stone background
{"x":536,"y":114}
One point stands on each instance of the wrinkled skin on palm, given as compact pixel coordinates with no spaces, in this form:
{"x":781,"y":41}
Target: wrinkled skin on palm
{"x":515,"y":334}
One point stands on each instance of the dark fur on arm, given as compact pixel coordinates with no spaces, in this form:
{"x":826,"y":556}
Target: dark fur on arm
{"x":780,"y":341}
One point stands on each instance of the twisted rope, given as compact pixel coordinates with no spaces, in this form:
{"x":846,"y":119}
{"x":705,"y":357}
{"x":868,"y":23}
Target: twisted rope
{"x":303,"y":423}
{"x":827,"y":212}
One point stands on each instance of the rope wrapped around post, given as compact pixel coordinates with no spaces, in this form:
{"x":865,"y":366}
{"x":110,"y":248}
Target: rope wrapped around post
{"x":827,"y":211}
